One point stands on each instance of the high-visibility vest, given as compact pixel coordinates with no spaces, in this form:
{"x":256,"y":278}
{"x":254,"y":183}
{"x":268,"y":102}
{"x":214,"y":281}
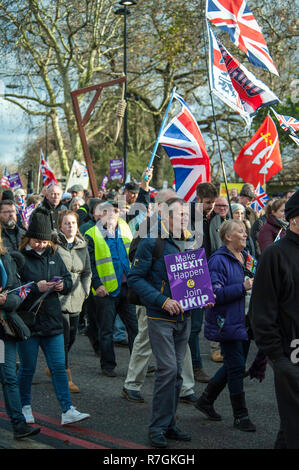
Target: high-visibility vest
{"x":103,"y":258}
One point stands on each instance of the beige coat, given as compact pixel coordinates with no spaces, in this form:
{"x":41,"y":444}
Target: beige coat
{"x":77,"y":262}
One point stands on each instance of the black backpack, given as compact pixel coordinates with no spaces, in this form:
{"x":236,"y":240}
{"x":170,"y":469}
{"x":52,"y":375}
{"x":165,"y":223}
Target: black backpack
{"x":132,"y":296}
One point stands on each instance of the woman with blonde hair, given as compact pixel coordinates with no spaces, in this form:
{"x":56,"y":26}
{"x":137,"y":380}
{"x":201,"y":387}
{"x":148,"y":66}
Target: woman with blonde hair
{"x":225,"y":323}
{"x":73,"y":250}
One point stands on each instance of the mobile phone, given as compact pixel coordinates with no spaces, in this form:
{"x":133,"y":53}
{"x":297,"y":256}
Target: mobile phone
{"x":56,"y":279}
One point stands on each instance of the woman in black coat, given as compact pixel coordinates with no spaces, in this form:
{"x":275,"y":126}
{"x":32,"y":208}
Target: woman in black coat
{"x":44,"y":266}
{"x":9,"y":303}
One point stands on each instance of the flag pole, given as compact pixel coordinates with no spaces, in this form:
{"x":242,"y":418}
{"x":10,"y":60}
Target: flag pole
{"x":160,"y":132}
{"x":38,"y":175}
{"x":205,"y":26}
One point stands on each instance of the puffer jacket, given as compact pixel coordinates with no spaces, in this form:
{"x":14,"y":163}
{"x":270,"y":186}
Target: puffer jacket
{"x":150,"y":281}
{"x":44,"y":267}
{"x":77,"y":262}
{"x":226,"y":320}
{"x":13,"y":300}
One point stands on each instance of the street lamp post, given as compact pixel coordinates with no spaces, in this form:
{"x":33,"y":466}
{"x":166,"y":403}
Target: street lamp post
{"x":125,"y":12}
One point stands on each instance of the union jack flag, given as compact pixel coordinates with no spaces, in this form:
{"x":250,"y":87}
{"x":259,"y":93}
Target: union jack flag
{"x":24,"y":290}
{"x":183,"y":142}
{"x":287,"y":123}
{"x":260,"y":200}
{"x":5,"y":183}
{"x":21,"y":207}
{"x":236,"y":18}
{"x":47,"y":173}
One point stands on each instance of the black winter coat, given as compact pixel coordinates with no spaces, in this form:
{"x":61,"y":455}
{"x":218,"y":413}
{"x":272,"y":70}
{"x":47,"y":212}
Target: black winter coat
{"x":45,"y":267}
{"x":274,"y":312}
{"x":13,"y":300}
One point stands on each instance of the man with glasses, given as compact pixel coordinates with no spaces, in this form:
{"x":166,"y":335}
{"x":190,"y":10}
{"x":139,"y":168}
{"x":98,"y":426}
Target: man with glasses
{"x":11,"y":232}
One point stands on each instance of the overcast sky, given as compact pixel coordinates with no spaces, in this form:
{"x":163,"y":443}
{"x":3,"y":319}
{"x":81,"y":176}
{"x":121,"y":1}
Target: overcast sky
{"x":13,"y":131}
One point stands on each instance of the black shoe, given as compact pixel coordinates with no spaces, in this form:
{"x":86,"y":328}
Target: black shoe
{"x":158,"y":440}
{"x":189,"y":399}
{"x":207,"y":409}
{"x":25,"y":431}
{"x":244,"y":424}
{"x":122,"y":344}
{"x":109,"y":373}
{"x":132,"y":395}
{"x":177,"y":435}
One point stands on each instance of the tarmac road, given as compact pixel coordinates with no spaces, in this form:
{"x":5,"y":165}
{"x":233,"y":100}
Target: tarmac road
{"x":116,"y":423}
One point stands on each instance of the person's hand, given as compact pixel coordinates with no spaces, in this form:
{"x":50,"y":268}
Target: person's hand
{"x":44,"y":286}
{"x":173,"y":307}
{"x":102,"y":291}
{"x":248,"y":284}
{"x":58,"y":286}
{"x":3,"y":296}
{"x":145,"y":183}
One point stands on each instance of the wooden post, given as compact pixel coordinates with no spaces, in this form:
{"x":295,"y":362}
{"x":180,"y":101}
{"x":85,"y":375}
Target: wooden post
{"x":81,"y":122}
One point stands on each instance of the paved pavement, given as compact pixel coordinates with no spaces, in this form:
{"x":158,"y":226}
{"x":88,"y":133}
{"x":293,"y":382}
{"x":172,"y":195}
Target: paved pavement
{"x":116,"y":423}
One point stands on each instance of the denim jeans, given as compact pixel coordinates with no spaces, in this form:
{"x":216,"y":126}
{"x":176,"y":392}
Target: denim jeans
{"x":196,"y":324}
{"x":234,"y":360}
{"x":70,"y":328}
{"x":106,"y":308}
{"x":10,"y":385}
{"x":119,"y":332}
{"x":53,"y":349}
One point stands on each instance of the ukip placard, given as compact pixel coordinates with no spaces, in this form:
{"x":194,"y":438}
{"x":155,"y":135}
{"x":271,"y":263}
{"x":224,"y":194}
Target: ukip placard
{"x":189,"y":279}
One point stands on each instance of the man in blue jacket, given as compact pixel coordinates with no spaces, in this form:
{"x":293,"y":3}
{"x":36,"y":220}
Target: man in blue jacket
{"x":168,"y":325}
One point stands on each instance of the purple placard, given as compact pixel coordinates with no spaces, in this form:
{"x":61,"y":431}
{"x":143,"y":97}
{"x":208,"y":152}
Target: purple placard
{"x":15,"y":181}
{"x":116,"y":169}
{"x":189,"y":279}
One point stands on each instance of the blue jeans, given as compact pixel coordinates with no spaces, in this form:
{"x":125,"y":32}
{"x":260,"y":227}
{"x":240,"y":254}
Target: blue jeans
{"x":234,"y":360}
{"x":119,"y":332}
{"x":196,"y":324}
{"x":53,"y":349}
{"x":10,"y":386}
{"x":106,"y":308}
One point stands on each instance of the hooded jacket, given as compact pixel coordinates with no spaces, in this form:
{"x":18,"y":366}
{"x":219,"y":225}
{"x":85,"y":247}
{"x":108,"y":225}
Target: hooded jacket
{"x":77,"y":262}
{"x":39,"y":267}
{"x":226,"y":320}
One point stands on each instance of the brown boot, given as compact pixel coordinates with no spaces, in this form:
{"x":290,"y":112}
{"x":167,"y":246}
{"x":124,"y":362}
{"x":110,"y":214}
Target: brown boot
{"x":47,"y":372}
{"x":72,"y":387}
{"x":200,"y":375}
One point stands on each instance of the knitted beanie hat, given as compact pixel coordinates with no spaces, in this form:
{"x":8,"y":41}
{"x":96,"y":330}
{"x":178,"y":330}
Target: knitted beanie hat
{"x":292,"y":206}
{"x":40,"y":225}
{"x":237,"y":207}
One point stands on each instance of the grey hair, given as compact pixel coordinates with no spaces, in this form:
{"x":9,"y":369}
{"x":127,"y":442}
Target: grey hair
{"x":227,"y":227}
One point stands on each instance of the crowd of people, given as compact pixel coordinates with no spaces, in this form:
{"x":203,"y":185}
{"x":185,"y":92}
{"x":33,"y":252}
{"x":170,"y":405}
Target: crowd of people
{"x":91,"y":271}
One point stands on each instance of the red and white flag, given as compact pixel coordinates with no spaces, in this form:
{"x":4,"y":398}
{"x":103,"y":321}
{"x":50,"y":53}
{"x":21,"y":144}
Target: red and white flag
{"x":260,"y":159}
{"x":47,"y":174}
{"x":4,"y":182}
{"x":236,"y":18}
